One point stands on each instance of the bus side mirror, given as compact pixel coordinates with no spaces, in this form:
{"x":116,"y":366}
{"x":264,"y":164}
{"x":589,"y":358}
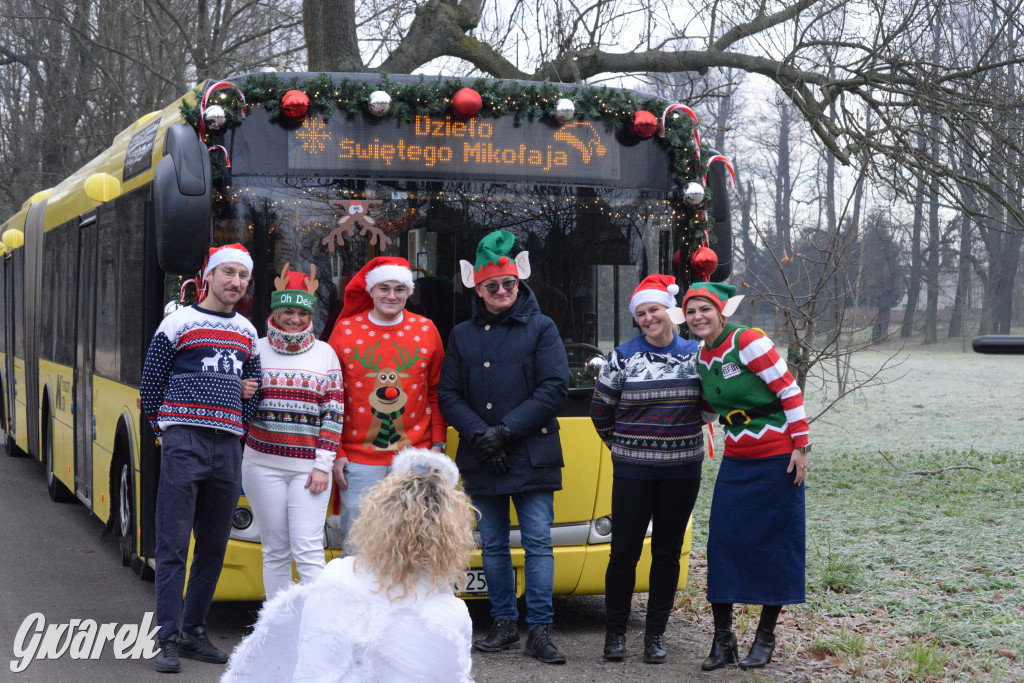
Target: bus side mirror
{"x":721,"y":222}
{"x":182,"y":202}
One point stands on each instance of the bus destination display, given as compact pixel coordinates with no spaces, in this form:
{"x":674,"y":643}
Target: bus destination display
{"x":451,"y":147}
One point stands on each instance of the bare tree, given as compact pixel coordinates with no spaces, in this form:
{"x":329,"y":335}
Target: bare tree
{"x":76,"y":73}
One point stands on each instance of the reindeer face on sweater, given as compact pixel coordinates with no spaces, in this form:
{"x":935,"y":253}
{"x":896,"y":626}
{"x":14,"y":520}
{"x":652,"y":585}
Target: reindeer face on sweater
{"x":387,"y":395}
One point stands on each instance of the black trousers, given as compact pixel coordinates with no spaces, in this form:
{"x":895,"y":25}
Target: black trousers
{"x":635,"y":502}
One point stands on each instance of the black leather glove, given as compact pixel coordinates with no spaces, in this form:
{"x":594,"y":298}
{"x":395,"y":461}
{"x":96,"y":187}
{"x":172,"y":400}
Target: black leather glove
{"x":497,"y":462}
{"x":492,"y":439}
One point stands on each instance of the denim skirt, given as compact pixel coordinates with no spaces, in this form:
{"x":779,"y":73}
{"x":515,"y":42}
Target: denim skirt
{"x":756,"y":536}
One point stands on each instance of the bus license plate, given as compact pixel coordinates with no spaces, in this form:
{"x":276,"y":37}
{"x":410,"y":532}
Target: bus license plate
{"x":476,"y":583}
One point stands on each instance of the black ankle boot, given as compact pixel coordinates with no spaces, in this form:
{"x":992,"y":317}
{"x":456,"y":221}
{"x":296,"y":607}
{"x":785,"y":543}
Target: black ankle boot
{"x":614,"y":647}
{"x":504,"y":635}
{"x":723,"y":651}
{"x":760,"y":652}
{"x":654,"y":648}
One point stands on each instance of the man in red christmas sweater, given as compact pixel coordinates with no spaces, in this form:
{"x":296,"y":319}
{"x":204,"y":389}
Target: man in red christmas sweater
{"x":391,"y":361}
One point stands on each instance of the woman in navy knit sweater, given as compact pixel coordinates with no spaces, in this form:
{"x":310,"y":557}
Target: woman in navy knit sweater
{"x":647,"y":409}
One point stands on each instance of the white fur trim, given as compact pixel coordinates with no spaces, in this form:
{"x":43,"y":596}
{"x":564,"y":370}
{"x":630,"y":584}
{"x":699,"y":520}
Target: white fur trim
{"x":222,"y":256}
{"x":410,"y":457}
{"x":389,"y":272}
{"x":658,"y":296}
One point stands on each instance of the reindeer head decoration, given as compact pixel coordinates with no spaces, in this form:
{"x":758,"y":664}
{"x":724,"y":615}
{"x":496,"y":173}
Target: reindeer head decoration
{"x":295,"y":289}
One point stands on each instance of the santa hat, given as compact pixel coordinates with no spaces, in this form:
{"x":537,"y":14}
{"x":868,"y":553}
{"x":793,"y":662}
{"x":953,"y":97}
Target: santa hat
{"x":721,"y":295}
{"x":659,"y":289}
{"x":229,"y":253}
{"x":380,"y":269}
{"x":296,"y":290}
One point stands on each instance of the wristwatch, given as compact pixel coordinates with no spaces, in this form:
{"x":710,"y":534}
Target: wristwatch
{"x":806,"y":449}
{"x":443,"y":445}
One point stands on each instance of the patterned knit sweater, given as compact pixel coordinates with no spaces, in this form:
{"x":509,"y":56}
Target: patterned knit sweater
{"x":298,"y":422}
{"x":391,"y":374}
{"x":742,"y":371}
{"x":647,"y":406}
{"x":194,"y":369}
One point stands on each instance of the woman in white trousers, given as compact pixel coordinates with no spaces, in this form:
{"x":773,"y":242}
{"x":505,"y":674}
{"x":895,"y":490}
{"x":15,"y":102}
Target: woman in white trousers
{"x":293,"y":440}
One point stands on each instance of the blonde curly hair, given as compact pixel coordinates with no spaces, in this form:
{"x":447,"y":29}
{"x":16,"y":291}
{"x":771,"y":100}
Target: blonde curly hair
{"x":411,"y":523}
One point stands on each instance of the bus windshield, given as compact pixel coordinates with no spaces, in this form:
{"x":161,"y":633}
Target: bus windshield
{"x":589,"y":246}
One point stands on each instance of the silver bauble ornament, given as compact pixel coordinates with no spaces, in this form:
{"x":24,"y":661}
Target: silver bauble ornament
{"x":380,"y":103}
{"x":215,"y":117}
{"x":173,"y":305}
{"x":694,"y":193}
{"x":565,"y":110}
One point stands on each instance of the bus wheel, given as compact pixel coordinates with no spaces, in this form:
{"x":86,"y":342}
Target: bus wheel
{"x":125,"y":523}
{"x":59,"y":493}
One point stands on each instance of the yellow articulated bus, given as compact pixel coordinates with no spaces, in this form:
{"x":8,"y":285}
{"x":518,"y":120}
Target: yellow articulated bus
{"x":601,"y":186}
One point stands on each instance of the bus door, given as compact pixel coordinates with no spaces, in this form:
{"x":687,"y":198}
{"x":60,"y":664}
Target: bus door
{"x":85,"y":334}
{"x":8,"y":297}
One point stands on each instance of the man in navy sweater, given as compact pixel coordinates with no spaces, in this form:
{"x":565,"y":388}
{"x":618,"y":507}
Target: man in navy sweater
{"x":192,"y":395}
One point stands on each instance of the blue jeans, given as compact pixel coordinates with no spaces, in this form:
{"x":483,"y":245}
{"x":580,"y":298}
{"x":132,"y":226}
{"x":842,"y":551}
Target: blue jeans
{"x":199,"y":487}
{"x":536,"y":513}
{"x":360,"y":478}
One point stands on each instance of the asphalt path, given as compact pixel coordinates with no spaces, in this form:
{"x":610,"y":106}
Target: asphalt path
{"x":54,"y":561}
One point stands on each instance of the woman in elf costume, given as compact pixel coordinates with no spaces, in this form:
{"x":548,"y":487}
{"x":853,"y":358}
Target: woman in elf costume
{"x":647,"y":408}
{"x":756,"y":539}
{"x":293,"y":440}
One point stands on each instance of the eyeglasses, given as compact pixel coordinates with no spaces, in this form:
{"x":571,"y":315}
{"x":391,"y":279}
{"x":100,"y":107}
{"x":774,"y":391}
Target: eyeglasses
{"x":507,"y":285}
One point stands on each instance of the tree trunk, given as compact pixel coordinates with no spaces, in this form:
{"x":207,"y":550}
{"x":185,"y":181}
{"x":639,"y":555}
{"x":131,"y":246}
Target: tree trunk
{"x":331,"y":40}
{"x":783,"y":182}
{"x":931,"y":315}
{"x":914,"y":284}
{"x":963,"y":279}
{"x":1004,"y":258}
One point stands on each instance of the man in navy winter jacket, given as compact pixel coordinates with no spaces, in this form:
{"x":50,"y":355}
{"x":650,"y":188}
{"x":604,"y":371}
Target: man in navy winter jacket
{"x":504,"y":378}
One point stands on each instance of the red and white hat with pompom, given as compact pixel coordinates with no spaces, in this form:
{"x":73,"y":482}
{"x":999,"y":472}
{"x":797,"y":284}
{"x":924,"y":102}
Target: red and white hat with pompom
{"x":380,"y":269}
{"x":229,"y":253}
{"x":659,"y":289}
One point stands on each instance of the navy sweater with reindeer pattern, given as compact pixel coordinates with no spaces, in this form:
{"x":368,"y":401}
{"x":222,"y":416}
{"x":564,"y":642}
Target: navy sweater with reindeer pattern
{"x":391,"y":374}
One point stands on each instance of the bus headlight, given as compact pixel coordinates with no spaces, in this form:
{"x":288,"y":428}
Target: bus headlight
{"x":242,"y":519}
{"x":601,"y":530}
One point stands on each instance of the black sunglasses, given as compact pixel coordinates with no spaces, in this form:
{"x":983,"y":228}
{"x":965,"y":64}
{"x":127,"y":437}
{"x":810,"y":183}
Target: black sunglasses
{"x":507,"y":285}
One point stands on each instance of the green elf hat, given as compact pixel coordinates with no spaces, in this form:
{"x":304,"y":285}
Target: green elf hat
{"x":723,"y":296}
{"x":293,"y":289}
{"x":492,"y":260}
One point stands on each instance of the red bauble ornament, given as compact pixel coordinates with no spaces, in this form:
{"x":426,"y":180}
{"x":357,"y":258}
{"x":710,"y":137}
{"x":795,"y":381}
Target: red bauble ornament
{"x":294,"y":105}
{"x":704,"y":261}
{"x":645,"y":124}
{"x":466,"y":103}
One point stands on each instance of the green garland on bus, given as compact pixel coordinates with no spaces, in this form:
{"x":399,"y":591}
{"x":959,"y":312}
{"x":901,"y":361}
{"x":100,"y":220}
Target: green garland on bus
{"x":432,"y":96}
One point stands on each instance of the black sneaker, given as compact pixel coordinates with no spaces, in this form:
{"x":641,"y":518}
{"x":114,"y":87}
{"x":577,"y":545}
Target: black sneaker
{"x":167,"y":661}
{"x":195,"y":645}
{"x":539,"y":645}
{"x":504,"y":635}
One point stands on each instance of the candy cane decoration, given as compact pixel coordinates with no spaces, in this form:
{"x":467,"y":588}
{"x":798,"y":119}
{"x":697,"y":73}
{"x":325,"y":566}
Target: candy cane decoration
{"x":681,"y":107}
{"x":206,"y":97}
{"x":220,"y":148}
{"x":199,"y":283}
{"x":728,"y":165}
